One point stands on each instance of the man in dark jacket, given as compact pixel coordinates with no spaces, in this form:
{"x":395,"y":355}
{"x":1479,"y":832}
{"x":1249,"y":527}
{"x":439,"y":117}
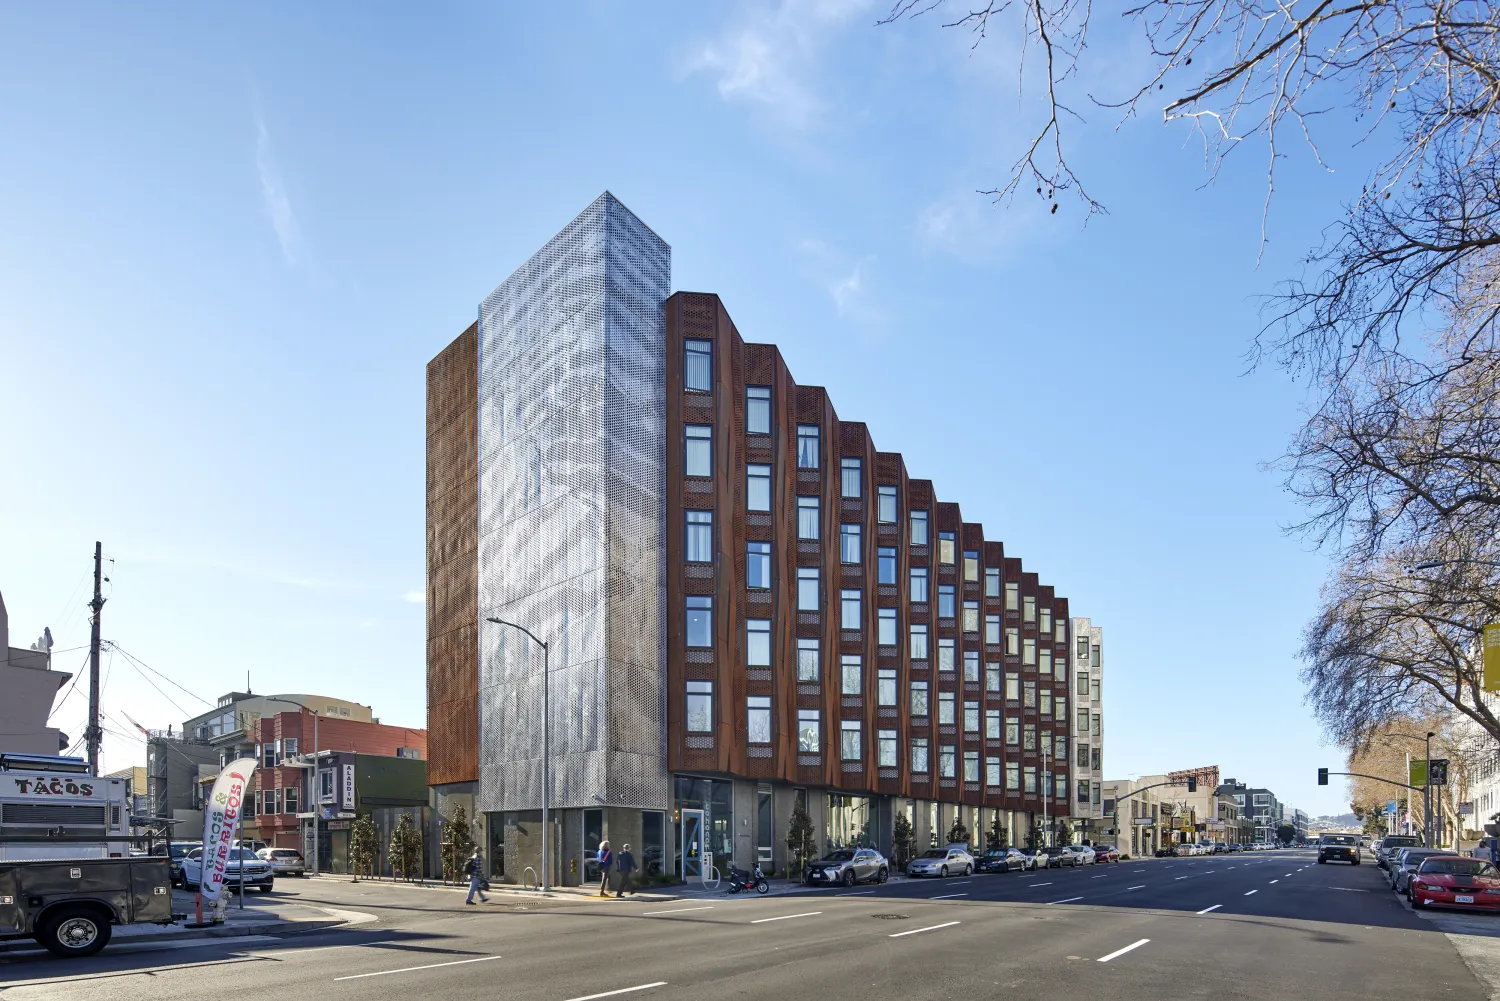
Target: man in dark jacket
{"x":474,"y":869}
{"x":624,"y":865}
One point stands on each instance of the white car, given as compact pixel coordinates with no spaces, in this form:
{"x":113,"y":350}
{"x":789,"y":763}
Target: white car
{"x":258,"y":872}
{"x":1072,"y":855}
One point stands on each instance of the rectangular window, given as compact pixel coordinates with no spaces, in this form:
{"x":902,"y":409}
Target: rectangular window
{"x":946,"y":551}
{"x":885,"y":748}
{"x":971,"y":565}
{"x":1083,"y":721}
{"x":808,"y":599}
{"x":1028,"y":736}
{"x":1083,"y":684}
{"x":1028,"y":774}
{"x":992,"y":677}
{"x":971,"y":667}
{"x":971,"y":766}
{"x":1028,"y":652}
{"x":992,"y":772}
{"x":1096,"y":724}
{"x":1012,"y":641}
{"x":1028,"y":609}
{"x":849,"y":470}
{"x":849,"y":739}
{"x":971,"y":617}
{"x":885,"y":564}
{"x":1062,"y":787}
{"x":1062,"y":631}
{"x":946,"y":649}
{"x":1083,"y":790}
{"x":808,"y":658}
{"x":700,"y":536}
{"x":700,"y":621}
{"x":1013,"y":732}
{"x":947,"y":754}
{"x":1098,"y":759}
{"x":849,"y":548}
{"x":758,"y":642}
{"x":289,"y":747}
{"x":971,"y":717}
{"x":1046,"y":707}
{"x":758,"y":409}
{"x":1012,"y":597}
{"x":947,"y":705}
{"x":1096,"y":689}
{"x":268,"y":755}
{"x":807,"y":518}
{"x":918,"y":642}
{"x":885,"y":686}
{"x":757,"y":488}
{"x":1045,"y":625}
{"x":992,"y":582}
{"x":1012,"y":687}
{"x":851,"y":671}
{"x":919,"y":698}
{"x":919,"y":528}
{"x":758,"y":566}
{"x":807,"y":446}
{"x":849,"y":603}
{"x":1060,"y":707}
{"x":758,"y":719}
{"x":1096,"y":655}
{"x":992,"y":724}
{"x":885,"y":627}
{"x":1083,"y":756}
{"x":992,"y":630}
{"x":698,"y":459}
{"x":885,"y":508}
{"x":700,"y":706}
{"x":289,"y":799}
{"x":1083,"y":648}
{"x":919,"y":585}
{"x":1046,"y":778}
{"x":945,"y":601}
{"x":697,"y":365}
{"x":809,"y":732}
{"x":919,"y":755}
{"x":1012,"y":775}
{"x":1044,"y":665}
{"x":1028,"y":694}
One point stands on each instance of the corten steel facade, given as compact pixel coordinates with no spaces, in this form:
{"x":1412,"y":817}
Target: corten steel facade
{"x":626,"y":504}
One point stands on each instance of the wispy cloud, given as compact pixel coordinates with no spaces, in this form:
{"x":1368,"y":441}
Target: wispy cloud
{"x":273,"y":194}
{"x":846,"y":281}
{"x":415,"y":597}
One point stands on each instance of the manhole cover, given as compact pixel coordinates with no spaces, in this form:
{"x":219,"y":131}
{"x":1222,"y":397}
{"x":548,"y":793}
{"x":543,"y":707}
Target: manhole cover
{"x":891,"y":917}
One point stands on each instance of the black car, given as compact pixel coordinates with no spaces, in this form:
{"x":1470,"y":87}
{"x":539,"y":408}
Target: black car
{"x":1002,"y":860}
{"x":1166,"y":851}
{"x":176,"y":851}
{"x":1338,"y":848}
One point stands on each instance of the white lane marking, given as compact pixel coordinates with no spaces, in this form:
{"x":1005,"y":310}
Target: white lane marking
{"x":1096,"y":877}
{"x":622,"y":990}
{"x":1138,"y":870}
{"x":677,"y":910}
{"x":917,"y":931}
{"x":945,"y":896}
{"x":1348,"y":889}
{"x":961,"y":882}
{"x":1252,"y":893}
{"x":1068,"y":901}
{"x":786,"y":917}
{"x":1181,"y":877}
{"x":1120,"y":952}
{"x":1275,"y":880}
{"x":410,"y":969}
{"x":1041,"y":884}
{"x":1215,"y":907}
{"x":1141,"y":887}
{"x":853,"y":893}
{"x":1299,"y":870}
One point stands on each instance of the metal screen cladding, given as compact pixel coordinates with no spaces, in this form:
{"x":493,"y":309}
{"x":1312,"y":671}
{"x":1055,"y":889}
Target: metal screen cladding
{"x":572,"y":442}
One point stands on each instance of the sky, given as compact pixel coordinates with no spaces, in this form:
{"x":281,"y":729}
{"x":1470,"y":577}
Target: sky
{"x":232,"y":238}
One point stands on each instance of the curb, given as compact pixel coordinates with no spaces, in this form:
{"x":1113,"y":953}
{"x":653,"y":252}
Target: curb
{"x":181,"y":933}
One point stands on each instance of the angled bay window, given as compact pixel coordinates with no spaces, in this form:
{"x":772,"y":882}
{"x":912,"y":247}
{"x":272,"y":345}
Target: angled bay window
{"x":809,"y":658}
{"x":851,"y":673}
{"x":700,"y":620}
{"x":919,"y":755}
{"x":809,"y":731}
{"x":919,"y":585}
{"x":946,"y":708}
{"x":992,"y":630}
{"x":992,"y":724}
{"x":885,"y":748}
{"x":992,"y":582}
{"x":971,"y":717}
{"x":849,"y":548}
{"x":700,"y":706}
{"x":946,"y":650}
{"x":849,"y":749}
{"x":849,"y":482}
{"x":919,"y":528}
{"x":885,"y":565}
{"x":1012,"y":596}
{"x":758,"y":642}
{"x":1028,"y":609}
{"x":758,"y":719}
{"x":758,"y":409}
{"x":849,"y":608}
{"x":971,"y":617}
{"x":700,"y":536}
{"x":757,"y":488}
{"x":808,"y":599}
{"x":971,"y":565}
{"x":807,"y":518}
{"x":697,"y":365}
{"x":758,"y":566}
{"x":946,"y":601}
{"x":807,"y":446}
{"x":918,"y":642}
{"x":885,"y":507}
{"x":885,"y":686}
{"x":947,"y":755}
{"x":886,"y":627}
{"x":698,"y":450}
{"x":1028,"y":651}
{"x":971,"y":766}
{"x":919,"y":698}
{"x":946,"y":549}
{"x":971,"y":667}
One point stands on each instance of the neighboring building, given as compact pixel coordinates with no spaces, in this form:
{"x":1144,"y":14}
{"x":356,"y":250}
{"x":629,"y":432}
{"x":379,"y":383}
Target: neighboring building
{"x":382,"y":787}
{"x":1299,"y":821}
{"x":30,"y":686}
{"x":1206,"y":776}
{"x":1087,"y":765}
{"x":136,"y":788}
{"x":1139,"y":820}
{"x":1260,"y":806}
{"x":747,"y":605}
{"x":174,"y":767}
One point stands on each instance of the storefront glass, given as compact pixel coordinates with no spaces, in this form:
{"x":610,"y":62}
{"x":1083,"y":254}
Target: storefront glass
{"x":848,"y":821}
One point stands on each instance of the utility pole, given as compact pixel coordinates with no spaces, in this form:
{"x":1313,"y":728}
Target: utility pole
{"x":93,"y":734}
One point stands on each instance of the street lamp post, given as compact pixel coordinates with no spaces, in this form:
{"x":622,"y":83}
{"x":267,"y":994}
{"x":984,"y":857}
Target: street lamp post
{"x":546,"y":749}
{"x":1427,"y":794}
{"x":312,"y":783}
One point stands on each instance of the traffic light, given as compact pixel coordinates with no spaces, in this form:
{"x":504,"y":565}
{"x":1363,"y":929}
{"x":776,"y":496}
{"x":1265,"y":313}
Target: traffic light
{"x":1438,"y":771}
{"x":1192,"y":784}
{"x":1322,"y":776}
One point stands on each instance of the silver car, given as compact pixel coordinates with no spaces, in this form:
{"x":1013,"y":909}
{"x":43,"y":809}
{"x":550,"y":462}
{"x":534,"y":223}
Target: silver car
{"x":284,"y":861}
{"x":847,"y":866}
{"x":1074,"y":855}
{"x":954,"y":860}
{"x":1405,"y":864}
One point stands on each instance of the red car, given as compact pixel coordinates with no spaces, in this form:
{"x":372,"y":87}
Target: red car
{"x":1455,"y":881}
{"x":1106,"y":853}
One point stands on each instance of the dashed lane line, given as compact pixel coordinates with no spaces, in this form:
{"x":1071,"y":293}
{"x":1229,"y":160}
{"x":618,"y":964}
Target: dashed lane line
{"x":1067,"y":901}
{"x":1252,"y":893}
{"x":786,"y":917}
{"x":411,"y":969}
{"x":1141,"y":887}
{"x":947,"y":896}
{"x":918,"y":931}
{"x":677,"y":910}
{"x":622,"y":990}
{"x":1207,"y":910}
{"x":1120,"y":952}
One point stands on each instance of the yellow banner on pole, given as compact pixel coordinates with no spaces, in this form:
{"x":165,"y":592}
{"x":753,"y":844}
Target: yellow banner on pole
{"x":1418,"y":769}
{"x":1492,"y":658}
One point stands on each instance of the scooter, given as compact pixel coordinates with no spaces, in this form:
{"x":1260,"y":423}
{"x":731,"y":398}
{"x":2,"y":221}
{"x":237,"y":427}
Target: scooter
{"x":739,"y":880}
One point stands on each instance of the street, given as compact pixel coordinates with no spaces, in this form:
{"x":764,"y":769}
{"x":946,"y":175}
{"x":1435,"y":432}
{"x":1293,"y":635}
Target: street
{"x":1253,"y":926}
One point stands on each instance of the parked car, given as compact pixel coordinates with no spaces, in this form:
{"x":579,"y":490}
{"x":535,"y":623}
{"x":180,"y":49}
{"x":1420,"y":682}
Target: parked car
{"x":1235,"y":847}
{"x":252,"y":846}
{"x":1406,"y":862}
{"x":71,"y":906}
{"x":1002,"y":860}
{"x":1184,"y":850}
{"x":258,"y":872}
{"x":1037,"y":857}
{"x":176,"y":852}
{"x":1165,"y":851}
{"x":284,"y":861}
{"x":1073,"y":855}
{"x":951,"y":861}
{"x":1106,"y":853}
{"x":848,"y":866}
{"x":1455,"y":881}
{"x":1391,"y":844}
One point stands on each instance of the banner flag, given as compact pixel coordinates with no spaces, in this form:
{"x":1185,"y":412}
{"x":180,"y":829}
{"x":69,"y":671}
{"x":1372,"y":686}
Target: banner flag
{"x":221,"y":821}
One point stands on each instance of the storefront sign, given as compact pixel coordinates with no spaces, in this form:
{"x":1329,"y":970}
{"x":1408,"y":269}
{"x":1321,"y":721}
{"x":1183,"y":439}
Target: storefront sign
{"x":348,"y":787}
{"x":221,"y":819}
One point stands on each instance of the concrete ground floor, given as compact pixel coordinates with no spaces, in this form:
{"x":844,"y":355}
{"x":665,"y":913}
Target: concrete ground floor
{"x":721,"y":820}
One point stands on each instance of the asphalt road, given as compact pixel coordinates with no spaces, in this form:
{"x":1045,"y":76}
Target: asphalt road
{"x":1268,"y":925}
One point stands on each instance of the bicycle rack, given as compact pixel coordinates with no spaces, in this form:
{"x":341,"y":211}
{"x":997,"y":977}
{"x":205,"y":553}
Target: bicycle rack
{"x":536,"y":883}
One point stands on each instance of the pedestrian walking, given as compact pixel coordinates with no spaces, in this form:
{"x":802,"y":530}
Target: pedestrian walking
{"x":606,"y":860}
{"x":624,"y":865}
{"x":474,"y":869}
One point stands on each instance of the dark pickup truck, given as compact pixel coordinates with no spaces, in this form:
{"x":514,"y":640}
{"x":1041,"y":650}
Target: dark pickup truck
{"x":71,"y":906}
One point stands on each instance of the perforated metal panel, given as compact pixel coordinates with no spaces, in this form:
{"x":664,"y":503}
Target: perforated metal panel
{"x":571,"y":518}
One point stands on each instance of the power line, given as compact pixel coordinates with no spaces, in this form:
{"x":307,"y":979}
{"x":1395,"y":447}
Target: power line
{"x":133,"y":658}
{"x":76,"y":675}
{"x":131,"y":661}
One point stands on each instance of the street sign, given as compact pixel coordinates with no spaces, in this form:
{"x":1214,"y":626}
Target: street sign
{"x":1418,"y":772}
{"x":1143,"y":821}
{"x":1492,"y":657}
{"x":1438,"y":771}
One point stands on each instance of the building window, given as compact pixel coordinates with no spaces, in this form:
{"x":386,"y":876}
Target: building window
{"x":1046,"y":707}
{"x":807,"y":446}
{"x":919,"y":585}
{"x":1012,"y":687}
{"x":918,"y":642}
{"x":1028,"y":609}
{"x":758,"y":642}
{"x":1060,"y":704}
{"x":1096,"y":655}
{"x":1098,"y":759}
{"x":849,"y":543}
{"x":992,"y":677}
{"x":885,"y":686}
{"x":992,"y":630}
{"x":809,"y":736}
{"x":1062,"y":632}
{"x":919,"y":698}
{"x":1013,"y":732}
{"x":808,"y":658}
{"x":849,"y":740}
{"x":1096,"y":724}
{"x":971,"y":667}
{"x":885,"y":507}
{"x":851,"y":671}
{"x":946,"y":648}
{"x":992,"y":724}
{"x":1060,"y":747}
{"x":268,"y":755}
{"x":1012,"y":775}
{"x":1029,"y":775}
{"x":945,"y":601}
{"x":946,"y":551}
{"x":946,"y":707}
{"x":886,"y":627}
{"x":700,"y":706}
{"x":1044,"y":665}
{"x":971,"y":617}
{"x":697,"y":365}
{"x":699,"y":457}
{"x":849,"y":470}
{"x":919,"y":755}
{"x":758,"y":566}
{"x":971,"y":767}
{"x":1028,"y":694}
{"x":1012,"y":641}
{"x":885,"y":565}
{"x":1045,"y":626}
{"x":885,"y":748}
{"x":807,"y":518}
{"x":971,"y":717}
{"x":807,"y":589}
{"x":849,"y":602}
{"x":1083,"y":790}
{"x":1097,"y":791}
{"x":1083,"y":684}
{"x":758,"y":409}
{"x":919,"y":528}
{"x":971,"y":565}
{"x":1028,"y":736}
{"x":289,"y":799}
{"x":1083,"y":721}
{"x":700,"y":536}
{"x":1012,"y":597}
{"x":1096,"y":689}
{"x":700,"y":620}
{"x":1083,"y":648}
{"x":757,"y":488}
{"x":992,"y":772}
{"x":946,"y":763}
{"x":758,"y":719}
{"x":1028,"y":652}
{"x":992,"y":582}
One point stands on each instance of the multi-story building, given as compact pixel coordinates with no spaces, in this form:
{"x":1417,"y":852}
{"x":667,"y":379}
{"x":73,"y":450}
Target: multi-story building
{"x":748,"y":608}
{"x":1139,"y":820}
{"x":30,"y":685}
{"x":1260,"y":806}
{"x":1087,"y":765}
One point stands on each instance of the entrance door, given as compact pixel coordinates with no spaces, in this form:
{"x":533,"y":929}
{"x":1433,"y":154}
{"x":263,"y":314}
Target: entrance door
{"x":692,"y":845}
